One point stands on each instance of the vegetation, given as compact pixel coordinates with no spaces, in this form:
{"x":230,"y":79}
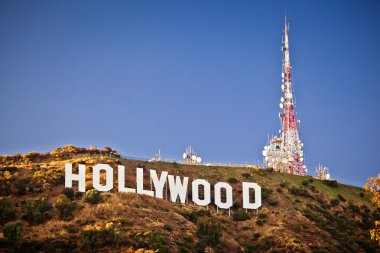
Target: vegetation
{"x":13,"y":234}
{"x":240,"y":216}
{"x":338,"y":218}
{"x":35,"y":209}
{"x":92,"y":196}
{"x":373,"y":186}
{"x":7,"y":211}
{"x":65,"y":207}
{"x":209,"y":230}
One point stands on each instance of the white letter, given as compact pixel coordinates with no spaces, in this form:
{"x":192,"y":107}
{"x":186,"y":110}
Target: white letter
{"x":121,"y":180}
{"x":140,"y":183}
{"x":246,"y":203}
{"x":81,"y":177}
{"x":218,"y":195}
{"x":177,"y":188}
{"x":206,"y":198}
{"x":96,"y":177}
{"x":158,"y":183}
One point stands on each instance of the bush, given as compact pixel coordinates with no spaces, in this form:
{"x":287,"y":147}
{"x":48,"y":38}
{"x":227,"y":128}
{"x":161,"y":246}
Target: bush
{"x":7,"y":211}
{"x":273,"y":202}
{"x":260,"y":222}
{"x":65,"y":207}
{"x":341,"y":198}
{"x":193,"y":215}
{"x":305,"y":183}
{"x":91,"y":236}
{"x":246,"y":175}
{"x":334,"y":202}
{"x":265,"y":192}
{"x":232,"y":180}
{"x":209,"y":230}
{"x":156,"y":241}
{"x":240,"y":216}
{"x":69,"y":192}
{"x":35,"y":210}
{"x":92,"y":196}
{"x":331,"y":183}
{"x":13,"y":234}
{"x":300,"y":192}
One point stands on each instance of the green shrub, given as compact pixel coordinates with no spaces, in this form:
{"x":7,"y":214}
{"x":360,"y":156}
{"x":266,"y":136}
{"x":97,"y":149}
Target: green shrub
{"x":156,"y":241}
{"x":300,"y":192}
{"x":7,"y":211}
{"x":193,"y":215}
{"x":256,"y":235}
{"x":232,"y":180}
{"x":246,"y":175}
{"x":240,"y":216}
{"x":341,"y":198}
{"x":209,"y":230}
{"x":334,"y":202}
{"x":168,"y":227}
{"x":35,"y":210}
{"x":305,"y":183}
{"x":260,"y":222}
{"x":65,"y":207}
{"x":273,"y":202}
{"x":331,"y":183}
{"x":13,"y":234}
{"x":91,"y":236}
{"x":69,"y":192}
{"x":284,"y":184}
{"x":92,"y":196}
{"x":265,"y":192}
{"x":262,"y":215}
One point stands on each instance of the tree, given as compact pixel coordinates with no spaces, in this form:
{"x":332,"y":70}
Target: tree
{"x":373,"y":186}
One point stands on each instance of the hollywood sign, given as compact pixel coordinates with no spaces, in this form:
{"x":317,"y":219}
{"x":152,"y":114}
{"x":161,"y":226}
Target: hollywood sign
{"x":178,"y":188}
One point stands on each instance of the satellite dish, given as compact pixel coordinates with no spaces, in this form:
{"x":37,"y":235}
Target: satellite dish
{"x":266,"y":147}
{"x":184,"y":155}
{"x":281,"y":105}
{"x":282,"y":87}
{"x":299,"y":121}
{"x":301,"y":159}
{"x":199,"y":159}
{"x":282,"y":75}
{"x":304,"y":166}
{"x":284,"y":160}
{"x":266,"y":158}
{"x":282,"y":99}
{"x":264,"y":153}
{"x":301,"y":154}
{"x":193,"y":157}
{"x":269,"y":164}
{"x":279,"y":131}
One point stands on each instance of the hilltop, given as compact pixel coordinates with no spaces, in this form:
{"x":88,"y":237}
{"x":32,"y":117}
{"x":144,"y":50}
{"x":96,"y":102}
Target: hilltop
{"x":299,"y":214}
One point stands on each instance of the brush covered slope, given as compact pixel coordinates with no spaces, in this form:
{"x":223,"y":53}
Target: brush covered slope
{"x":299,"y":214}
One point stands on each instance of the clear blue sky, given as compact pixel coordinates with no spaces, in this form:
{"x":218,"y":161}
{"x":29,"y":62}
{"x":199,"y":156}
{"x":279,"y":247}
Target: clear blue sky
{"x":143,"y":75}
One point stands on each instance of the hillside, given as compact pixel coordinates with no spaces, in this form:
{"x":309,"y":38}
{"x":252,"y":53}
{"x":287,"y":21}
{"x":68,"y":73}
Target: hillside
{"x":299,"y":214}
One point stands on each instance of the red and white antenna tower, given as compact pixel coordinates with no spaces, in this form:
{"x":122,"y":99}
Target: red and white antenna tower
{"x":285,"y":153}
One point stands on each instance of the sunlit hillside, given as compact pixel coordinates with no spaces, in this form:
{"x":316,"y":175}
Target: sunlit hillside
{"x":299,"y":214}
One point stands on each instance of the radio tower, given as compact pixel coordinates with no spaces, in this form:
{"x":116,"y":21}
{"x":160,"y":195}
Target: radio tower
{"x":285,"y":153}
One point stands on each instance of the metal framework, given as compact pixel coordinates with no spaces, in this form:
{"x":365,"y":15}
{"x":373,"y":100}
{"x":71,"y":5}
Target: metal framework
{"x":285,"y":153}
